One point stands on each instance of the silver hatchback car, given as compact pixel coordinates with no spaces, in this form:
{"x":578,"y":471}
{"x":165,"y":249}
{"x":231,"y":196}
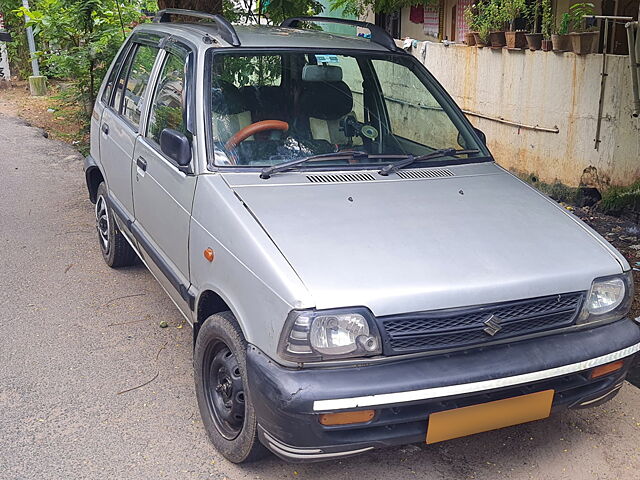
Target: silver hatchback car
{"x":358,"y":270}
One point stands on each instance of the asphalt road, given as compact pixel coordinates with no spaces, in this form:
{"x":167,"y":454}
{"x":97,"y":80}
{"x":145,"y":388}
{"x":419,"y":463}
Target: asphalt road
{"x":74,"y":333}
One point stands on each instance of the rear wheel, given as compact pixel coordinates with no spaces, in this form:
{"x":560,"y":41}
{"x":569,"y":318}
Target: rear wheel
{"x":220,"y":371}
{"x":116,"y":251}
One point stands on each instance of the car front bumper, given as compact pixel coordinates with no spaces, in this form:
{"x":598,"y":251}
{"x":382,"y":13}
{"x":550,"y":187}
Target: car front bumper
{"x":405,"y":392}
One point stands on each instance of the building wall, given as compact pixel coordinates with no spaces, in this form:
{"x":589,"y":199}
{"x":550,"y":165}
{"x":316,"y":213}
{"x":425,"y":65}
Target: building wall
{"x":547,"y":90}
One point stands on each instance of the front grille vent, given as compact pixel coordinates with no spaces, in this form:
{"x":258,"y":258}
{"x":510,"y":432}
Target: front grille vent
{"x":416,"y":173}
{"x":464,"y":327}
{"x":341,"y":178}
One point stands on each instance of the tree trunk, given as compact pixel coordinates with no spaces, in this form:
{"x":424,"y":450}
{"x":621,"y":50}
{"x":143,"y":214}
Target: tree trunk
{"x":209,"y":6}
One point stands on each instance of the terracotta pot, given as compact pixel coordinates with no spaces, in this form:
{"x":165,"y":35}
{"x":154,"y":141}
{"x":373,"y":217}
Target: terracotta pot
{"x":561,"y":43}
{"x":470,"y":38}
{"x":534,"y":40}
{"x":516,"y":39}
{"x":583,"y":43}
{"x":547,"y":45}
{"x":478,"y":40}
{"x":497,"y":39}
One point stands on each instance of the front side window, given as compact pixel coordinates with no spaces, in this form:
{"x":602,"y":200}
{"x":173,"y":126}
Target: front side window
{"x":167,"y":108}
{"x":269,"y":108}
{"x":139,"y":73}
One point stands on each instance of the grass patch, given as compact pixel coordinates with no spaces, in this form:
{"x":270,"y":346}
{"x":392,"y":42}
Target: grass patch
{"x":556,"y":190}
{"x":616,"y":200}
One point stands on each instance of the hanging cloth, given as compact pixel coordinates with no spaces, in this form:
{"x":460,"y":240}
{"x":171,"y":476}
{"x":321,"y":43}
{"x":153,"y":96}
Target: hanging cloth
{"x":416,"y":14}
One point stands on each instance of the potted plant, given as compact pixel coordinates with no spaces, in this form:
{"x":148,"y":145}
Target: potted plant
{"x":481,"y":23}
{"x":493,"y":15}
{"x":561,"y":40}
{"x":512,"y":10}
{"x":534,"y":39}
{"x":583,"y":40}
{"x":471,"y":19}
{"x":548,"y":22}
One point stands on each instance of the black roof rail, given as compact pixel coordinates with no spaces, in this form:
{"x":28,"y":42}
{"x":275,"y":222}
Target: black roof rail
{"x":378,"y":34}
{"x":225,"y":29}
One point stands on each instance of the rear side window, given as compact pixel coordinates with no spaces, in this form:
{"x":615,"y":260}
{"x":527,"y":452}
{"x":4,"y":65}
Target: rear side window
{"x":106,"y":94}
{"x":136,"y":82}
{"x":167,"y":109}
{"x":122,"y":80}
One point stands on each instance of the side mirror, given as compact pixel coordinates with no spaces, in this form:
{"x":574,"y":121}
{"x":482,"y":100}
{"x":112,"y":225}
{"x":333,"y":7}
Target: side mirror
{"x":481,"y":134}
{"x":176,"y":146}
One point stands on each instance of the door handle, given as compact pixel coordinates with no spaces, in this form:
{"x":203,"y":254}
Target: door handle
{"x":142,"y":164}
{"x":105,"y":128}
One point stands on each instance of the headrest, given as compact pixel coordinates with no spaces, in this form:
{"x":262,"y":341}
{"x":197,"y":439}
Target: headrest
{"x":326,"y":100}
{"x":226,"y":99}
{"x":321,"y":73}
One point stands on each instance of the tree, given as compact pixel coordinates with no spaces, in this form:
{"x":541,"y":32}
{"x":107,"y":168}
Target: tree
{"x":209,"y":6}
{"x":360,"y":7}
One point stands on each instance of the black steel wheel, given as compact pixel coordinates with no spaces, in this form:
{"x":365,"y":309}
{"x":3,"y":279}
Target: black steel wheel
{"x":220,"y":372}
{"x":224,"y":389}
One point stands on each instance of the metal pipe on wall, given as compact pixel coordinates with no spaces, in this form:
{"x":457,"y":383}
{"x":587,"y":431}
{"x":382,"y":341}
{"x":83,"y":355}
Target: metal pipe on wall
{"x":635,"y":67}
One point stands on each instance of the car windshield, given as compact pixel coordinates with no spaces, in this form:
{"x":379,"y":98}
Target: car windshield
{"x":271,"y":108}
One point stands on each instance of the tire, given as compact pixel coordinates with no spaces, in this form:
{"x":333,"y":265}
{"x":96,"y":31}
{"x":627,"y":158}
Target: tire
{"x":220,"y":372}
{"x":115,"y":249}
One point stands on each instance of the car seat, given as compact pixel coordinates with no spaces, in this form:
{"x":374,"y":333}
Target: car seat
{"x":230,"y":111}
{"x":324,"y":101}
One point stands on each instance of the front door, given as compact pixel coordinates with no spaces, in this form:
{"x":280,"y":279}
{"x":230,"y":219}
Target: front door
{"x":162,"y":190}
{"x":120,"y":124}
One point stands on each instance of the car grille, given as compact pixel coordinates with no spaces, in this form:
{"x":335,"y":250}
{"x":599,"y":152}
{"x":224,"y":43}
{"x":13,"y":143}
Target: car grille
{"x":462,"y":327}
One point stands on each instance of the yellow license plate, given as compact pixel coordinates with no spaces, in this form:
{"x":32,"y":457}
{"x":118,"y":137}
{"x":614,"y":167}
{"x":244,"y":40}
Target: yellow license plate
{"x":488,"y":416}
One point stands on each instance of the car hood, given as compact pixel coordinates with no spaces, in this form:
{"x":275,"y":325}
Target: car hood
{"x":393,"y":245}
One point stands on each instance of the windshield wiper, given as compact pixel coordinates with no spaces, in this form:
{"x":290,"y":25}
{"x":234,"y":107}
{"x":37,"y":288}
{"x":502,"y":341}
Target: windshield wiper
{"x":405,"y":162}
{"x":281,"y":167}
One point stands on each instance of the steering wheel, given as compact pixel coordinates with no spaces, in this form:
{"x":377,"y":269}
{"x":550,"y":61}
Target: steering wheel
{"x":257,"y":127}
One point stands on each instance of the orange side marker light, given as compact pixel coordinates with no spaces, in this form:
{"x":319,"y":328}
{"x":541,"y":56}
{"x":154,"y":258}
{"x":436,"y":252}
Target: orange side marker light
{"x":209,"y":255}
{"x":606,"y":369}
{"x":347,"y":418}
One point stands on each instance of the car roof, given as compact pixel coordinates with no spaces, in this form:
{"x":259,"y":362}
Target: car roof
{"x":264,"y":36}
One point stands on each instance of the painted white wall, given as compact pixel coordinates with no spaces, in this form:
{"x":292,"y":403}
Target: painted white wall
{"x":5,"y":73}
{"x":548,"y":90}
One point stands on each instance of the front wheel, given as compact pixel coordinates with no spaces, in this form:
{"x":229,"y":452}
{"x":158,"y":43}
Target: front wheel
{"x":220,"y":372}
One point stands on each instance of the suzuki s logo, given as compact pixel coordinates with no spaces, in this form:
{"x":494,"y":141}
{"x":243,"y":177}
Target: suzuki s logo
{"x":492,"y":325}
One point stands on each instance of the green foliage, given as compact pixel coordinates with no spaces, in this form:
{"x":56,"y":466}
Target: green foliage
{"x":556,"y":190}
{"x":577,"y":13}
{"x":471,"y":17}
{"x":548,"y":19}
{"x":77,"y":39}
{"x":360,"y":7}
{"x":493,"y":16}
{"x":18,"y":49}
{"x":511,"y":10}
{"x":532,"y":13}
{"x":618,"y":199}
{"x":485,"y":17}
{"x":565,"y":21}
{"x":246,"y":70}
{"x":276,"y":11}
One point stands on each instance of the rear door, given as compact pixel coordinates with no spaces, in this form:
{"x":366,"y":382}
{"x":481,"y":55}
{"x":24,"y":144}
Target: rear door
{"x":162,"y":190}
{"x":120,"y":123}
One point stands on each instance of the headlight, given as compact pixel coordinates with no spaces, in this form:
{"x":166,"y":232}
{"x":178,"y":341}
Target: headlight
{"x":608,"y":299}
{"x":331,"y":334}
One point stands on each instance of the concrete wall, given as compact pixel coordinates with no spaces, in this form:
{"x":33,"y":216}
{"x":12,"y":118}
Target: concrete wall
{"x":548,"y":90}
